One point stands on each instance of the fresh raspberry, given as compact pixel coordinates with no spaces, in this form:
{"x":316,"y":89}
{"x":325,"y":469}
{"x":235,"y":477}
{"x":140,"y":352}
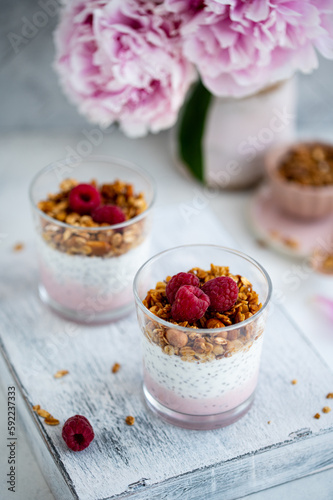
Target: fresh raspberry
{"x":77,"y":433}
{"x":111,"y":214}
{"x":190,"y":304}
{"x":84,"y":198}
{"x":177,"y":281}
{"x":223,"y":293}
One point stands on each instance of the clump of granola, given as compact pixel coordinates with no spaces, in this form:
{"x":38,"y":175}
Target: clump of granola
{"x":199,"y":346}
{"x":308,"y":164}
{"x":83,"y":237}
{"x":48,"y":418}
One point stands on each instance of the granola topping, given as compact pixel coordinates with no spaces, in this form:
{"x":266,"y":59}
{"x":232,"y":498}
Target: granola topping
{"x":197,"y":346}
{"x":83,"y":238}
{"x":308,"y":164}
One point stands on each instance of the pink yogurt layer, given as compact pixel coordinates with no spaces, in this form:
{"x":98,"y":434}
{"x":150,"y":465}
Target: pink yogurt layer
{"x":201,"y":406}
{"x":78,"y":297}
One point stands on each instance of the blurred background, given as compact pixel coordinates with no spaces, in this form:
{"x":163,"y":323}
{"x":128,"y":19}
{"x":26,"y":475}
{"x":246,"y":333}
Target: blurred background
{"x":37,"y":119}
{"x":31,"y":97}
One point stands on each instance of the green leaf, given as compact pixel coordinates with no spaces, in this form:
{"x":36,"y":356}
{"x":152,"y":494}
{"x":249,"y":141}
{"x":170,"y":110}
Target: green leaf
{"x":191,"y":130}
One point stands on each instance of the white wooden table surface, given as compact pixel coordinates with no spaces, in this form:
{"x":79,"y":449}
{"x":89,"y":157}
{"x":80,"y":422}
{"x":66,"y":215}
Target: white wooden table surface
{"x":23,"y":155}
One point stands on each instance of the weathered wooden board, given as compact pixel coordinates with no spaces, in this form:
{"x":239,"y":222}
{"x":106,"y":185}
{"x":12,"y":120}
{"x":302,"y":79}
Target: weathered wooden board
{"x":152,"y":459}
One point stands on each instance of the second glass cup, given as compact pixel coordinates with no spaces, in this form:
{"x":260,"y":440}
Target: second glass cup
{"x":87,"y":271}
{"x":201,"y":378}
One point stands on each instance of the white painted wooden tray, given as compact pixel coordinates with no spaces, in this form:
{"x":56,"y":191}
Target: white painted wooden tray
{"x":153,"y":460}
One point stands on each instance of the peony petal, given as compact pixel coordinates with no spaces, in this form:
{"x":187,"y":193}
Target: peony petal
{"x":275,"y":38}
{"x":123,"y":61}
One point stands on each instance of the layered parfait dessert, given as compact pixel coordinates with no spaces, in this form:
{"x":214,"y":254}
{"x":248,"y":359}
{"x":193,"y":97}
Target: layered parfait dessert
{"x":92,"y":239}
{"x":202,"y":344}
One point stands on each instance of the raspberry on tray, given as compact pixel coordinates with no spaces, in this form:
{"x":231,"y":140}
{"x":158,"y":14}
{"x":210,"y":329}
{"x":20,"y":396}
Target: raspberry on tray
{"x":77,"y":433}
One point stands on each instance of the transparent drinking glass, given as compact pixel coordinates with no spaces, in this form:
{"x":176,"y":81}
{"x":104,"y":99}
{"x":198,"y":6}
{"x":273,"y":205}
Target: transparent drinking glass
{"x":201,"y":391}
{"x":86,"y":273}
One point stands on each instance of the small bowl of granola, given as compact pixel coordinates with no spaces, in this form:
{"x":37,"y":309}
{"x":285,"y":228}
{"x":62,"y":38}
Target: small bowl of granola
{"x":301,"y":178}
{"x":202,"y":311}
{"x":93,"y":222}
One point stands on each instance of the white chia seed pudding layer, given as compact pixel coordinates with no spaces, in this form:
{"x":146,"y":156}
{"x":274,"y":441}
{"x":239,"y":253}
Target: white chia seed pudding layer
{"x":73,"y":280}
{"x":196,"y":380}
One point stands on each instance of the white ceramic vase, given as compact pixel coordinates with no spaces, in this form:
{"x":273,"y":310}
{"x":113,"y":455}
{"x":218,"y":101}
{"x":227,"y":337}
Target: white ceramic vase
{"x":222,"y":141}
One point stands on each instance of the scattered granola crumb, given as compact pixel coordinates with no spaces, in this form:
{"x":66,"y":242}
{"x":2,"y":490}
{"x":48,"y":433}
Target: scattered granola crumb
{"x":48,"y":418}
{"x":326,"y":409}
{"x":115,"y":368}
{"x":18,"y":247}
{"x":130,"y":420}
{"x":287,"y":241}
{"x":274,"y":234}
{"x":291,"y":243}
{"x":261,"y":243}
{"x":51,"y":420}
{"x":269,"y":422}
{"x":60,"y":373}
{"x":317,"y":416}
{"x":43,"y":413}
{"x":294,"y":381}
{"x":322,"y":260}
{"x":329,"y":395}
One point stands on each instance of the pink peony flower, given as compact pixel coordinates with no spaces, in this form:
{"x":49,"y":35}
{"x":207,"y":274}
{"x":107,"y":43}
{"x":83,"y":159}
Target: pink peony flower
{"x":241,"y":46}
{"x":122,"y":61}
{"x":326,"y":305}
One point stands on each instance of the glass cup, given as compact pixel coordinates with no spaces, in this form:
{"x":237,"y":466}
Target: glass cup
{"x":210,"y":390}
{"x":86,"y":273}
